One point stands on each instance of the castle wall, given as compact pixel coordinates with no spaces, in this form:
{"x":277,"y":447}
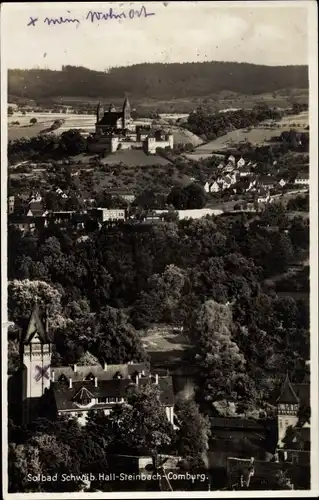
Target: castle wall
{"x":152,"y":145}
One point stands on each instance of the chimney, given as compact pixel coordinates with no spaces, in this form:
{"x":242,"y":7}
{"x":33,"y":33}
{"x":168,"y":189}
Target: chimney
{"x":52,"y":375}
{"x":70,"y":383}
{"x":105,"y":367}
{"x":95,"y":381}
{"x":47,"y":320}
{"x":156,"y":379}
{"x":136,"y":379}
{"x":75,"y":368}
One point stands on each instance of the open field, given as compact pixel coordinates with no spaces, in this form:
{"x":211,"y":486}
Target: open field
{"x":260,"y":135}
{"x":183,"y":105}
{"x":17,"y":132}
{"x":134,"y":158}
{"x":164,"y":338}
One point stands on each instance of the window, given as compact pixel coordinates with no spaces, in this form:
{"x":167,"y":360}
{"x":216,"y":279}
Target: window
{"x":85,"y":401}
{"x":112,"y":400}
{"x":103,"y":400}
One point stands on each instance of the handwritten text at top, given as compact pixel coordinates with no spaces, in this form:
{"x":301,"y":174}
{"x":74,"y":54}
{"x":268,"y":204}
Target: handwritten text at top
{"x":93,"y":16}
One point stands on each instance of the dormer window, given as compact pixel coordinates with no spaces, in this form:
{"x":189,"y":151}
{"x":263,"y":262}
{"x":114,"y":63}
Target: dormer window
{"x":118,"y":375}
{"x":90,"y":376}
{"x":62,"y":378}
{"x":83,"y":397}
{"x":134,"y":375}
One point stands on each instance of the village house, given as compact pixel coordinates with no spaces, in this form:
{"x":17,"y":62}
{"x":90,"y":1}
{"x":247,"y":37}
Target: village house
{"x":109,"y":214}
{"x":215,"y":187}
{"x":266,"y":181}
{"x":11,"y":200}
{"x":24,"y":223}
{"x":245,"y":172}
{"x":233,"y":177}
{"x":282,"y":183}
{"x":252,"y":185}
{"x":302,"y":179}
{"x":241,"y":162}
{"x":229,"y":168}
{"x":263,"y":196}
{"x":35,"y":207}
{"x":121,"y":193}
{"x":76,"y":390}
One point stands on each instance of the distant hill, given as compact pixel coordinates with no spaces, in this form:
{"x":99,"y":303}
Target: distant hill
{"x":156,"y":81}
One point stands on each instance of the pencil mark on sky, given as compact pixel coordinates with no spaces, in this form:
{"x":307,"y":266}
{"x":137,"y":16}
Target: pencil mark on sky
{"x":93,"y":16}
{"x":32,"y":21}
{"x":111,"y":14}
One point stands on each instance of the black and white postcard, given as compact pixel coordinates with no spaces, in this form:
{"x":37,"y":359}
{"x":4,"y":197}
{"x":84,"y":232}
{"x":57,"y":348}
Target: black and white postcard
{"x":159,"y":222}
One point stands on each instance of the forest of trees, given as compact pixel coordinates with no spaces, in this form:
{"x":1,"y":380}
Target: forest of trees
{"x":157,"y":81}
{"x":102,"y":291}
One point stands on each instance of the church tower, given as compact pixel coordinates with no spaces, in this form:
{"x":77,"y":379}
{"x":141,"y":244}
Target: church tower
{"x":99,"y":112}
{"x":287,"y":410}
{"x":126,"y":113}
{"x":35,"y":351}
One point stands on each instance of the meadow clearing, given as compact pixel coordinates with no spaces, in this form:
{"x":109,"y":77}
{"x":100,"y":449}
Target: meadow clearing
{"x":257,"y":135}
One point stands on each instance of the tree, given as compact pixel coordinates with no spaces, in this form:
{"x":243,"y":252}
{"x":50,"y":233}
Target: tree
{"x":161,"y":301}
{"x":23,"y":294}
{"x":282,"y":481}
{"x":116,"y":341}
{"x":23,"y":459}
{"x":192,"y":196}
{"x":13,"y":356}
{"x":72,"y":142}
{"x":141,"y":425}
{"x":193,"y":432}
{"x":217,"y":356}
{"x":33,"y":121}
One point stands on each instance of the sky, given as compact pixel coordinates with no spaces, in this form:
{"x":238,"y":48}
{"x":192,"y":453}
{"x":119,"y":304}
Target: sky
{"x":177,"y":32}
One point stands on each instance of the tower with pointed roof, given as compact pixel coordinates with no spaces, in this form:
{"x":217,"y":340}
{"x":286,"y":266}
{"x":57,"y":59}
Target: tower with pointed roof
{"x":126,"y":113}
{"x":35,"y":352}
{"x":287,"y":409}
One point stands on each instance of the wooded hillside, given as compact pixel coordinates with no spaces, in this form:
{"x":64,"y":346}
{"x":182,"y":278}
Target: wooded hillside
{"x":157,"y":81}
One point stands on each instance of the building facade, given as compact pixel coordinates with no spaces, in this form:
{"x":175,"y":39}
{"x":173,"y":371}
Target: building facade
{"x":292,"y":398}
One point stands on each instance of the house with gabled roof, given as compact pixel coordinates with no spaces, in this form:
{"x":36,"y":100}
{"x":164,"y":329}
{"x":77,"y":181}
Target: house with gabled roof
{"x":76,"y":390}
{"x":241,"y":162}
{"x":302,"y":179}
{"x":266,"y":181}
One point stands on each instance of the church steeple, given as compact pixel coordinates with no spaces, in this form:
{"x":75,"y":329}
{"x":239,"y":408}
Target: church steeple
{"x":126,"y":113}
{"x":35,"y":327}
{"x":287,"y":394}
{"x":126,"y":105}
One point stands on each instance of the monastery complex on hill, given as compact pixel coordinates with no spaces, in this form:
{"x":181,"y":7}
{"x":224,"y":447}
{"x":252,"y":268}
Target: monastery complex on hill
{"x":115,"y":130}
